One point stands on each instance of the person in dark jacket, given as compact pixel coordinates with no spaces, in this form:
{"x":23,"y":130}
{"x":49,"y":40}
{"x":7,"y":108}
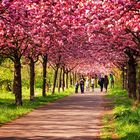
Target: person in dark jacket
{"x":106,"y":82}
{"x":101,"y":82}
{"x":76,"y":87}
{"x":82,"y":83}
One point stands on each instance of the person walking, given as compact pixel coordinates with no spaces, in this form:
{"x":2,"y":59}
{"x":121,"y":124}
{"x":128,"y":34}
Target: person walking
{"x":96,"y":81}
{"x":106,"y":82}
{"x":101,"y":82}
{"x":87,"y":84}
{"x":82,"y":85}
{"x":92,"y":83}
{"x":76,"y":87}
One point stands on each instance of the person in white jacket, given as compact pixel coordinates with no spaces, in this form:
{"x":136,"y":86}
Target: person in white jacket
{"x":87,"y":84}
{"x":92,"y":83}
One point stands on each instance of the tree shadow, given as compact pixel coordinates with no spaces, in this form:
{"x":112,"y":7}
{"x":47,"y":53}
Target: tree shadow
{"x":78,"y":107}
{"x":54,"y":138}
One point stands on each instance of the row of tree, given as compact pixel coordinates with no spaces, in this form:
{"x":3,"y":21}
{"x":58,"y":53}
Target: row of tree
{"x":78,"y":35}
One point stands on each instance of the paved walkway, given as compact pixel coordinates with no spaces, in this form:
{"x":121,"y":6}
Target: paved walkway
{"x":77,"y":117}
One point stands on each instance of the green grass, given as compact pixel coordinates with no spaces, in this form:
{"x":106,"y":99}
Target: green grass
{"x":8,"y":110}
{"x":125,"y":118}
{"x":105,"y":132}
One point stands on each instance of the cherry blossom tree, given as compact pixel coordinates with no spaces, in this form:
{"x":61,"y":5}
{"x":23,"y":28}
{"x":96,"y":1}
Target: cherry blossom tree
{"x":32,"y":56}
{"x":14,"y":39}
{"x":78,"y":35}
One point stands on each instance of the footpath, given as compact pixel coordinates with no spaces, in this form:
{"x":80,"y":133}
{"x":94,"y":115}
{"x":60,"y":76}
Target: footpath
{"x":77,"y":117}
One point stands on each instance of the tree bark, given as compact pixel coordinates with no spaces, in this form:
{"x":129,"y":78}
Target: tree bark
{"x":71,"y":80}
{"x":75,"y":77}
{"x":126,"y":78}
{"x":32,"y":79}
{"x":55,"y":79}
{"x":139,"y":90}
{"x":60,"y":80}
{"x":132,"y":78}
{"x":138,"y":83}
{"x":63,"y":79}
{"x":17,"y":82}
{"x":67,"y":80}
{"x":14,"y":85}
{"x":45,"y":59}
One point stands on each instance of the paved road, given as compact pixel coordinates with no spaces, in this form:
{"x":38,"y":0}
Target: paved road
{"x":77,"y":117}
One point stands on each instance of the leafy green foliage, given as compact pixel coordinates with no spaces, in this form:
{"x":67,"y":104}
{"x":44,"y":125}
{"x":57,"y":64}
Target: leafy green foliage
{"x":7,"y":72}
{"x":6,"y":75}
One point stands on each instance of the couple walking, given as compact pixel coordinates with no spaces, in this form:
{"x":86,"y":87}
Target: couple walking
{"x":103,"y":82}
{"x":84,"y":83}
{"x":81,"y":83}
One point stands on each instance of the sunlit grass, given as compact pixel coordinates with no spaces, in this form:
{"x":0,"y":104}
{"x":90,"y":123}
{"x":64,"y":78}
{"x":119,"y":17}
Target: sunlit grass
{"x":8,"y":110}
{"x":105,"y":132}
{"x":125,"y":117}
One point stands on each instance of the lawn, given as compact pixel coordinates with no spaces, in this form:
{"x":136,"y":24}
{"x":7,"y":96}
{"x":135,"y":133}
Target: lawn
{"x":124,"y":123}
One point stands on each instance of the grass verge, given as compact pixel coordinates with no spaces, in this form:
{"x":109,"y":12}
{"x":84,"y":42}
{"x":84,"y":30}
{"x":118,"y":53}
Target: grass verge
{"x":125,"y":119}
{"x":8,"y":110}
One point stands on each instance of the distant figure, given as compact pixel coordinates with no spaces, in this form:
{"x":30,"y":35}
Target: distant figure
{"x":82,"y":85}
{"x":92,"y":83}
{"x":87,"y":84}
{"x":111,"y":81}
{"x":76,"y":87}
{"x":101,"y":82}
{"x":96,"y":81}
{"x":106,"y":82}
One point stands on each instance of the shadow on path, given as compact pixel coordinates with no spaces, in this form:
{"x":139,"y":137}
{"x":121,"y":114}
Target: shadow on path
{"x":52,"y":138}
{"x":77,"y":117}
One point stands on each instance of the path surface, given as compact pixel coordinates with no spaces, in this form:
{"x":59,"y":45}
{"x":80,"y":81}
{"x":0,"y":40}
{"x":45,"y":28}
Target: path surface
{"x":77,"y":117}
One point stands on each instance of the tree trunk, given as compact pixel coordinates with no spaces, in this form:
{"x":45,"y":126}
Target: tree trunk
{"x":17,"y":82}
{"x":63,"y":80}
{"x":75,"y":77}
{"x":126,"y":78}
{"x":60,"y":80}
{"x":14,"y":84}
{"x":71,"y":82}
{"x":67,"y":80}
{"x":132,"y":78}
{"x":45,"y":59}
{"x":139,"y":90}
{"x":32,"y":79}
{"x":55,"y":79}
{"x":138,"y":83}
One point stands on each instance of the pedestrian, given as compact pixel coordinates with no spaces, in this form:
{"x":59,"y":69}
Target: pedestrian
{"x":92,"y":83}
{"x":106,"y":82}
{"x":96,"y":81}
{"x":111,"y":81}
{"x":76,"y":87}
{"x":101,"y":82}
{"x":82,"y":85}
{"x":87,"y":84}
